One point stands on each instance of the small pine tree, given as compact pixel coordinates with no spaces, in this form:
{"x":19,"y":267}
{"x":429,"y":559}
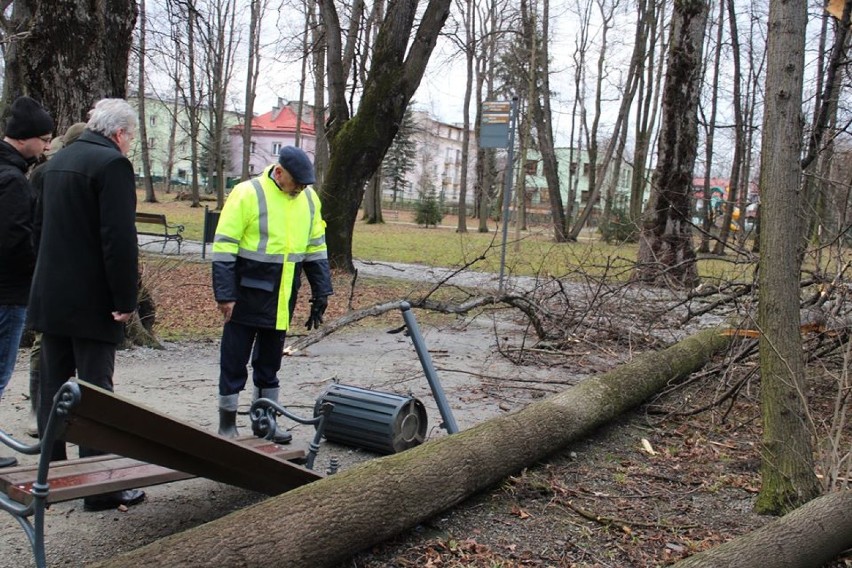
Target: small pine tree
{"x":429,"y":210}
{"x":399,"y":159}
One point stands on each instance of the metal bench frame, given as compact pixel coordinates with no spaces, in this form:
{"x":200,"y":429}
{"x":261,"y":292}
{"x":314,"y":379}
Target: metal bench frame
{"x":31,"y":515}
{"x":165,"y":235}
{"x":67,"y":397}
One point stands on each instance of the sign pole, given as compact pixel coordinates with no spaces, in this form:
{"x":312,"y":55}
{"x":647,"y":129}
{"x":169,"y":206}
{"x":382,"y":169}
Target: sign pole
{"x":507,"y":189}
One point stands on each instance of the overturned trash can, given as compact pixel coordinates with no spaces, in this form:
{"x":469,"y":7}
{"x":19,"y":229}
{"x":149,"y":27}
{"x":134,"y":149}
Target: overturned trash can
{"x":381,"y":422}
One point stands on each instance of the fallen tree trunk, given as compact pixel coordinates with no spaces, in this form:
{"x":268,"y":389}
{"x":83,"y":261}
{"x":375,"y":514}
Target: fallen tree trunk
{"x":325,"y":522}
{"x":808,"y":537}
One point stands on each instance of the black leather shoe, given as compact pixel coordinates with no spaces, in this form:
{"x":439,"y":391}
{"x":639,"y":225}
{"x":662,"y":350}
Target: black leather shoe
{"x":113,"y":500}
{"x":8,"y":462}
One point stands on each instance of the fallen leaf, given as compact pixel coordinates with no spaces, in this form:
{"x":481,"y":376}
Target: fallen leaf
{"x":520,"y":513}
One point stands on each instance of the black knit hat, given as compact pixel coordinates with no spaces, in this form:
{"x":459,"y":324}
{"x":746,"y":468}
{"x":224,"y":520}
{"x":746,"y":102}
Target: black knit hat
{"x":27,"y":119}
{"x":298,"y":164}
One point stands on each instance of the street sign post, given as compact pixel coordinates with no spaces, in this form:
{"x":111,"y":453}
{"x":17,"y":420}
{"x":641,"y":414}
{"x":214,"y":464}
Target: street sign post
{"x":499,"y":119}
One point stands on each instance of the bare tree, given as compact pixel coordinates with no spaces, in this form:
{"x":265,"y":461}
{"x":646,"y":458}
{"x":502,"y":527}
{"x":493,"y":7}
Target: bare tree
{"x":318,"y":54}
{"x":787,"y":471}
{"x":252,"y":72}
{"x":666,"y":255}
{"x":358,"y":141}
{"x":469,"y":48}
{"x":709,"y":124}
{"x":649,"y":74}
{"x":218,"y":35}
{"x":147,"y":181}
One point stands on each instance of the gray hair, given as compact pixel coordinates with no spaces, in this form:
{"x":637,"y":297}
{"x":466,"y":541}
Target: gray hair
{"x":111,"y":115}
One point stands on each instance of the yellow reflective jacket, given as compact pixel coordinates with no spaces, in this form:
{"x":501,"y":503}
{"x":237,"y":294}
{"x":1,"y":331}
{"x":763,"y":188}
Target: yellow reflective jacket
{"x":264,"y":238}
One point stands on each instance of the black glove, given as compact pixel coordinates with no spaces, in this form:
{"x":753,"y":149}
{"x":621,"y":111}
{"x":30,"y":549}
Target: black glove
{"x":318,"y":306}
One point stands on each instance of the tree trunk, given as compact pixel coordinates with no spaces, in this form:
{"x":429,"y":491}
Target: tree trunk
{"x":94,"y":48}
{"x":373,"y":202}
{"x":787,"y":473}
{"x":252,"y":74}
{"x":74,"y":52}
{"x":808,"y":537}
{"x":327,"y":521}
{"x":710,"y":133}
{"x":358,"y":144}
{"x":147,"y":181}
{"x":666,"y":256}
{"x":543,"y":118}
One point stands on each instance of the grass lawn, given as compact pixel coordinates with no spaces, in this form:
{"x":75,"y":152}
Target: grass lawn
{"x":530,"y":252}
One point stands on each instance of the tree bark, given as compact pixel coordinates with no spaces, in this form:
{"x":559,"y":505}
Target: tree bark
{"x":808,"y":537}
{"x":666,"y":255}
{"x":787,"y":472}
{"x":323,"y":523}
{"x":70,"y":54}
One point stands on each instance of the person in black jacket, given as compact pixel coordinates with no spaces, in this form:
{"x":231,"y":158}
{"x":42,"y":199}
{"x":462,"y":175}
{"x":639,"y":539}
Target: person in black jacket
{"x":27,"y":137}
{"x":86,"y":275}
{"x":74,"y":131}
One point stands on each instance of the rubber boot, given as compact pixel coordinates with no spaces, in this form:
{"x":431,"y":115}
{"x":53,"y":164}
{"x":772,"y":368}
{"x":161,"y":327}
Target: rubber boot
{"x":281,"y":436}
{"x":228,"y":415}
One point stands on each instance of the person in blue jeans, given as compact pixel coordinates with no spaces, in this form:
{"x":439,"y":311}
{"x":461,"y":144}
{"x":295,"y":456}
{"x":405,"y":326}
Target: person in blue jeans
{"x":27,"y":136}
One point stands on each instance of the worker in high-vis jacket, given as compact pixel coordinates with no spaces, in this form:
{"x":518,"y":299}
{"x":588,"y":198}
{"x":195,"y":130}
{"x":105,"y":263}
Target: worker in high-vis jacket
{"x":269,"y":232}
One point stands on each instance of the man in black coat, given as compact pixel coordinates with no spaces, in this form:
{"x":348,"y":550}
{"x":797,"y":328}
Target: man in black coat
{"x":27,"y":137}
{"x":86,"y":277}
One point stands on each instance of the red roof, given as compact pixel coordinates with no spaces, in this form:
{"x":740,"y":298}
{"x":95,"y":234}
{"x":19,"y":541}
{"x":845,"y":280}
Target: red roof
{"x":283,"y":119}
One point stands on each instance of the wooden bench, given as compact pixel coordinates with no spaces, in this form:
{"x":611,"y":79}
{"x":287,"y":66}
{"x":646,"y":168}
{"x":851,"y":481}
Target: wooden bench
{"x":144,"y":448}
{"x":83,"y":477}
{"x":156,"y":225}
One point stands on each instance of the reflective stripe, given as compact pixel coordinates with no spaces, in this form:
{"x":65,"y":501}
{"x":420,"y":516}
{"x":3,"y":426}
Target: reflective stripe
{"x":310,"y":195}
{"x":261,"y":256}
{"x":262,"y":216}
{"x":225,"y":239}
{"x":316,"y":256}
{"x":317,"y":241}
{"x":296,"y":257}
{"x":224,"y":257}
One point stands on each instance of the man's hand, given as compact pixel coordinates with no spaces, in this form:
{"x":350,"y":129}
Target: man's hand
{"x":227,"y":308}
{"x":318,"y":306}
{"x":122,"y":317}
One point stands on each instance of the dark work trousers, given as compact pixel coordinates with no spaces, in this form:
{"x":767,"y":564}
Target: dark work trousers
{"x":239,"y":342}
{"x":94,"y":362}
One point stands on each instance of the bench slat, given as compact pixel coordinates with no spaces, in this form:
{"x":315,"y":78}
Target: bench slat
{"x":113,"y":424}
{"x":76,"y":478}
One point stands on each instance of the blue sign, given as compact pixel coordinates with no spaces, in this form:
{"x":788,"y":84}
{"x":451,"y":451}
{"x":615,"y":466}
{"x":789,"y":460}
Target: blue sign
{"x":494,"y":130}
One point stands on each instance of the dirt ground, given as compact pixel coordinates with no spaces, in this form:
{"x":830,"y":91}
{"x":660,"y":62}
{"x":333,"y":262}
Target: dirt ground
{"x":604,"y":502}
{"x":181,"y":382}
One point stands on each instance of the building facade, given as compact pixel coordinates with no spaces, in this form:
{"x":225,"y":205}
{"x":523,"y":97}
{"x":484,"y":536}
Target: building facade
{"x":281,"y":126}
{"x":574,"y":169}
{"x":438,"y":162}
{"x":168,"y":130}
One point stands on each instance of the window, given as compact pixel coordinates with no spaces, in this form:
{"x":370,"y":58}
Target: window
{"x":276,"y":147}
{"x":251,"y":166}
{"x":252,"y":147}
{"x":152,"y":120}
{"x":573,"y":168}
{"x":151,"y":143}
{"x":531,"y":167}
{"x":181,"y":173}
